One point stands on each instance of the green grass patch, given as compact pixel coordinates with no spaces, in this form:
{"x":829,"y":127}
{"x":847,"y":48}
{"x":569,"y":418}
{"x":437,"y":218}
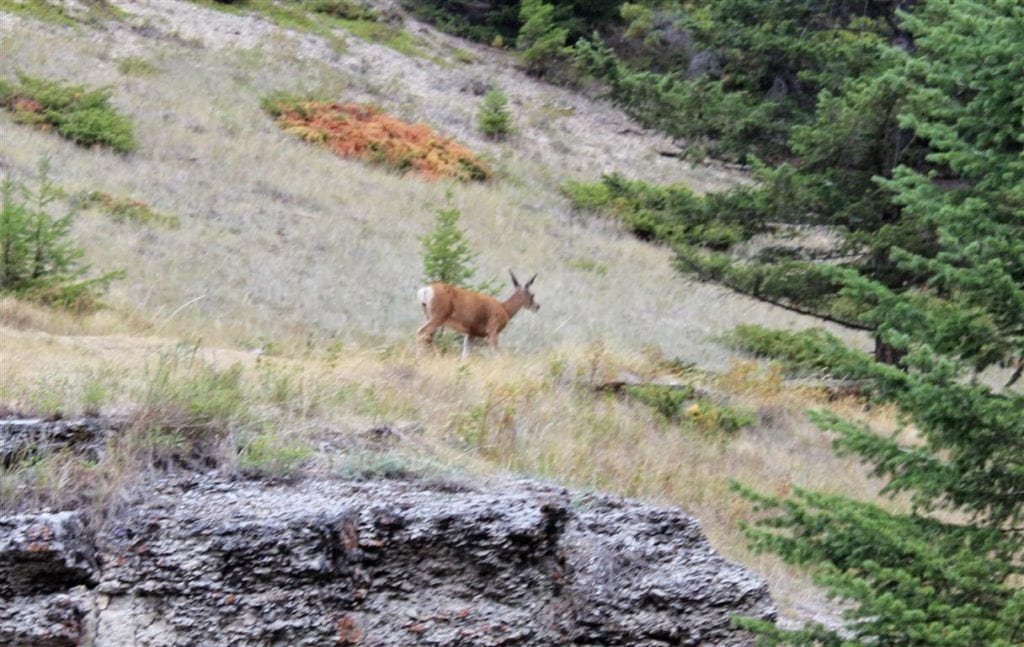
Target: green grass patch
{"x":136,"y":66}
{"x":384,"y":34}
{"x":94,"y":13}
{"x":464,"y":56}
{"x":269,"y":453}
{"x":39,"y":10}
{"x":368,"y":465}
{"x":588,"y":265}
{"x":324,"y":17}
{"x":80,"y":114}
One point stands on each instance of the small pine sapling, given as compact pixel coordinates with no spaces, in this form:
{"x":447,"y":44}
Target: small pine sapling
{"x":494,"y":118}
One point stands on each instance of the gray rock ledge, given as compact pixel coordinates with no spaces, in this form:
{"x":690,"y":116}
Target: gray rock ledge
{"x":206,"y":561}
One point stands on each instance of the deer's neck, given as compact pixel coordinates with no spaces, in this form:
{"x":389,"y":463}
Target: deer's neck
{"x":514,"y":304}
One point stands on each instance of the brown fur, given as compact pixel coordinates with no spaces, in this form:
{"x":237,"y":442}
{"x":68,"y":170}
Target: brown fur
{"x":472,"y":313}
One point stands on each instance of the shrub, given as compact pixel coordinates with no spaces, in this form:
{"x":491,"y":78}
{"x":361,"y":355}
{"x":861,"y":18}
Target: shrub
{"x":37,"y":261}
{"x":81,"y":115}
{"x":366,"y":133}
{"x":494,"y":118}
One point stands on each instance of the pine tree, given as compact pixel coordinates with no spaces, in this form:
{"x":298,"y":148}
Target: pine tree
{"x":948,"y":571}
{"x":494,"y":118}
{"x":447,"y":256}
{"x":540,"y":40}
{"x":38,"y":260}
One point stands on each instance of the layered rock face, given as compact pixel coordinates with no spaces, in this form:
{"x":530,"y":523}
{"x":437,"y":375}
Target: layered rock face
{"x":206,"y":561}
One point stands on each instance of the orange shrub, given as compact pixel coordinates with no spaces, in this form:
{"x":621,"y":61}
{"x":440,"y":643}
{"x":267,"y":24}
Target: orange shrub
{"x":367,"y":133}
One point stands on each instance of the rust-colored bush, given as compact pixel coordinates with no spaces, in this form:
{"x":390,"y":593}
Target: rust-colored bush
{"x":367,"y":133}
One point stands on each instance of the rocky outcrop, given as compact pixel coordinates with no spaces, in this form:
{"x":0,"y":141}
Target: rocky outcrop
{"x":22,"y":438}
{"x":47,"y":566}
{"x":207,"y":561}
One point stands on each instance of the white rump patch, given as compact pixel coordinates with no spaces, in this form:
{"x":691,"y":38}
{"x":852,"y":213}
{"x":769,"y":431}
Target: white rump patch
{"x":426,"y":295}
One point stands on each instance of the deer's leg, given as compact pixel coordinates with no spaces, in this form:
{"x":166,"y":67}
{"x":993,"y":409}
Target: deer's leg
{"x":465,"y":346}
{"x":425,"y":333}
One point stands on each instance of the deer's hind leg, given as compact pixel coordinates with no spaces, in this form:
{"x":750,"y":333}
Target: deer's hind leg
{"x":426,"y":332}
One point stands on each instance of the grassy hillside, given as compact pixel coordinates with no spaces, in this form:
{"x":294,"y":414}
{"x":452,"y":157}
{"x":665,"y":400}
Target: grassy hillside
{"x":283,"y":248}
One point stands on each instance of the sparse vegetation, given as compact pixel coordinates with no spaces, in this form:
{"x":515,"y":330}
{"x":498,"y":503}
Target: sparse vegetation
{"x":84,"y":116}
{"x":346,"y":9}
{"x":367,"y":133}
{"x":126,"y":209}
{"x":94,"y":12}
{"x":324,"y":17}
{"x":680,"y":404}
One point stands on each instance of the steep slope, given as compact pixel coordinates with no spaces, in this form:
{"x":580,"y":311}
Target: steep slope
{"x":282,"y":241}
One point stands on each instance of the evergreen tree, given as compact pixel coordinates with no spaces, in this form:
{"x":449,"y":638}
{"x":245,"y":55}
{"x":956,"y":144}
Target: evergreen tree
{"x":494,"y":118}
{"x":541,"y":40}
{"x":447,"y":256}
{"x":37,"y":258}
{"x":948,"y":571}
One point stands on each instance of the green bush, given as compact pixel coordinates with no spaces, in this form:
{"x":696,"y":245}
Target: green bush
{"x":494,"y":118}
{"x":280,"y":102}
{"x":100,"y":126}
{"x":84,"y":116}
{"x":37,"y":259}
{"x":595,"y":196}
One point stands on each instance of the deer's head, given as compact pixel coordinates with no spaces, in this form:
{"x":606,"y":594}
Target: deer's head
{"x":524,"y":291}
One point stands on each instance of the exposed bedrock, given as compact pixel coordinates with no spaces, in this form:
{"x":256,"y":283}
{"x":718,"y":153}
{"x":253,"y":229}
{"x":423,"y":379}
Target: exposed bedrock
{"x":209,"y":561}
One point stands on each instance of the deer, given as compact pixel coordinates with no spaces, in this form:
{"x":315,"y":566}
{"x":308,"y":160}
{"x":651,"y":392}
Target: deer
{"x":471,"y":313}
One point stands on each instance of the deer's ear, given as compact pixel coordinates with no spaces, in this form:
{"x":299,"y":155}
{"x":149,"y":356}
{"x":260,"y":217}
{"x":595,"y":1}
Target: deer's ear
{"x":514,"y":281}
{"x":530,"y":282}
